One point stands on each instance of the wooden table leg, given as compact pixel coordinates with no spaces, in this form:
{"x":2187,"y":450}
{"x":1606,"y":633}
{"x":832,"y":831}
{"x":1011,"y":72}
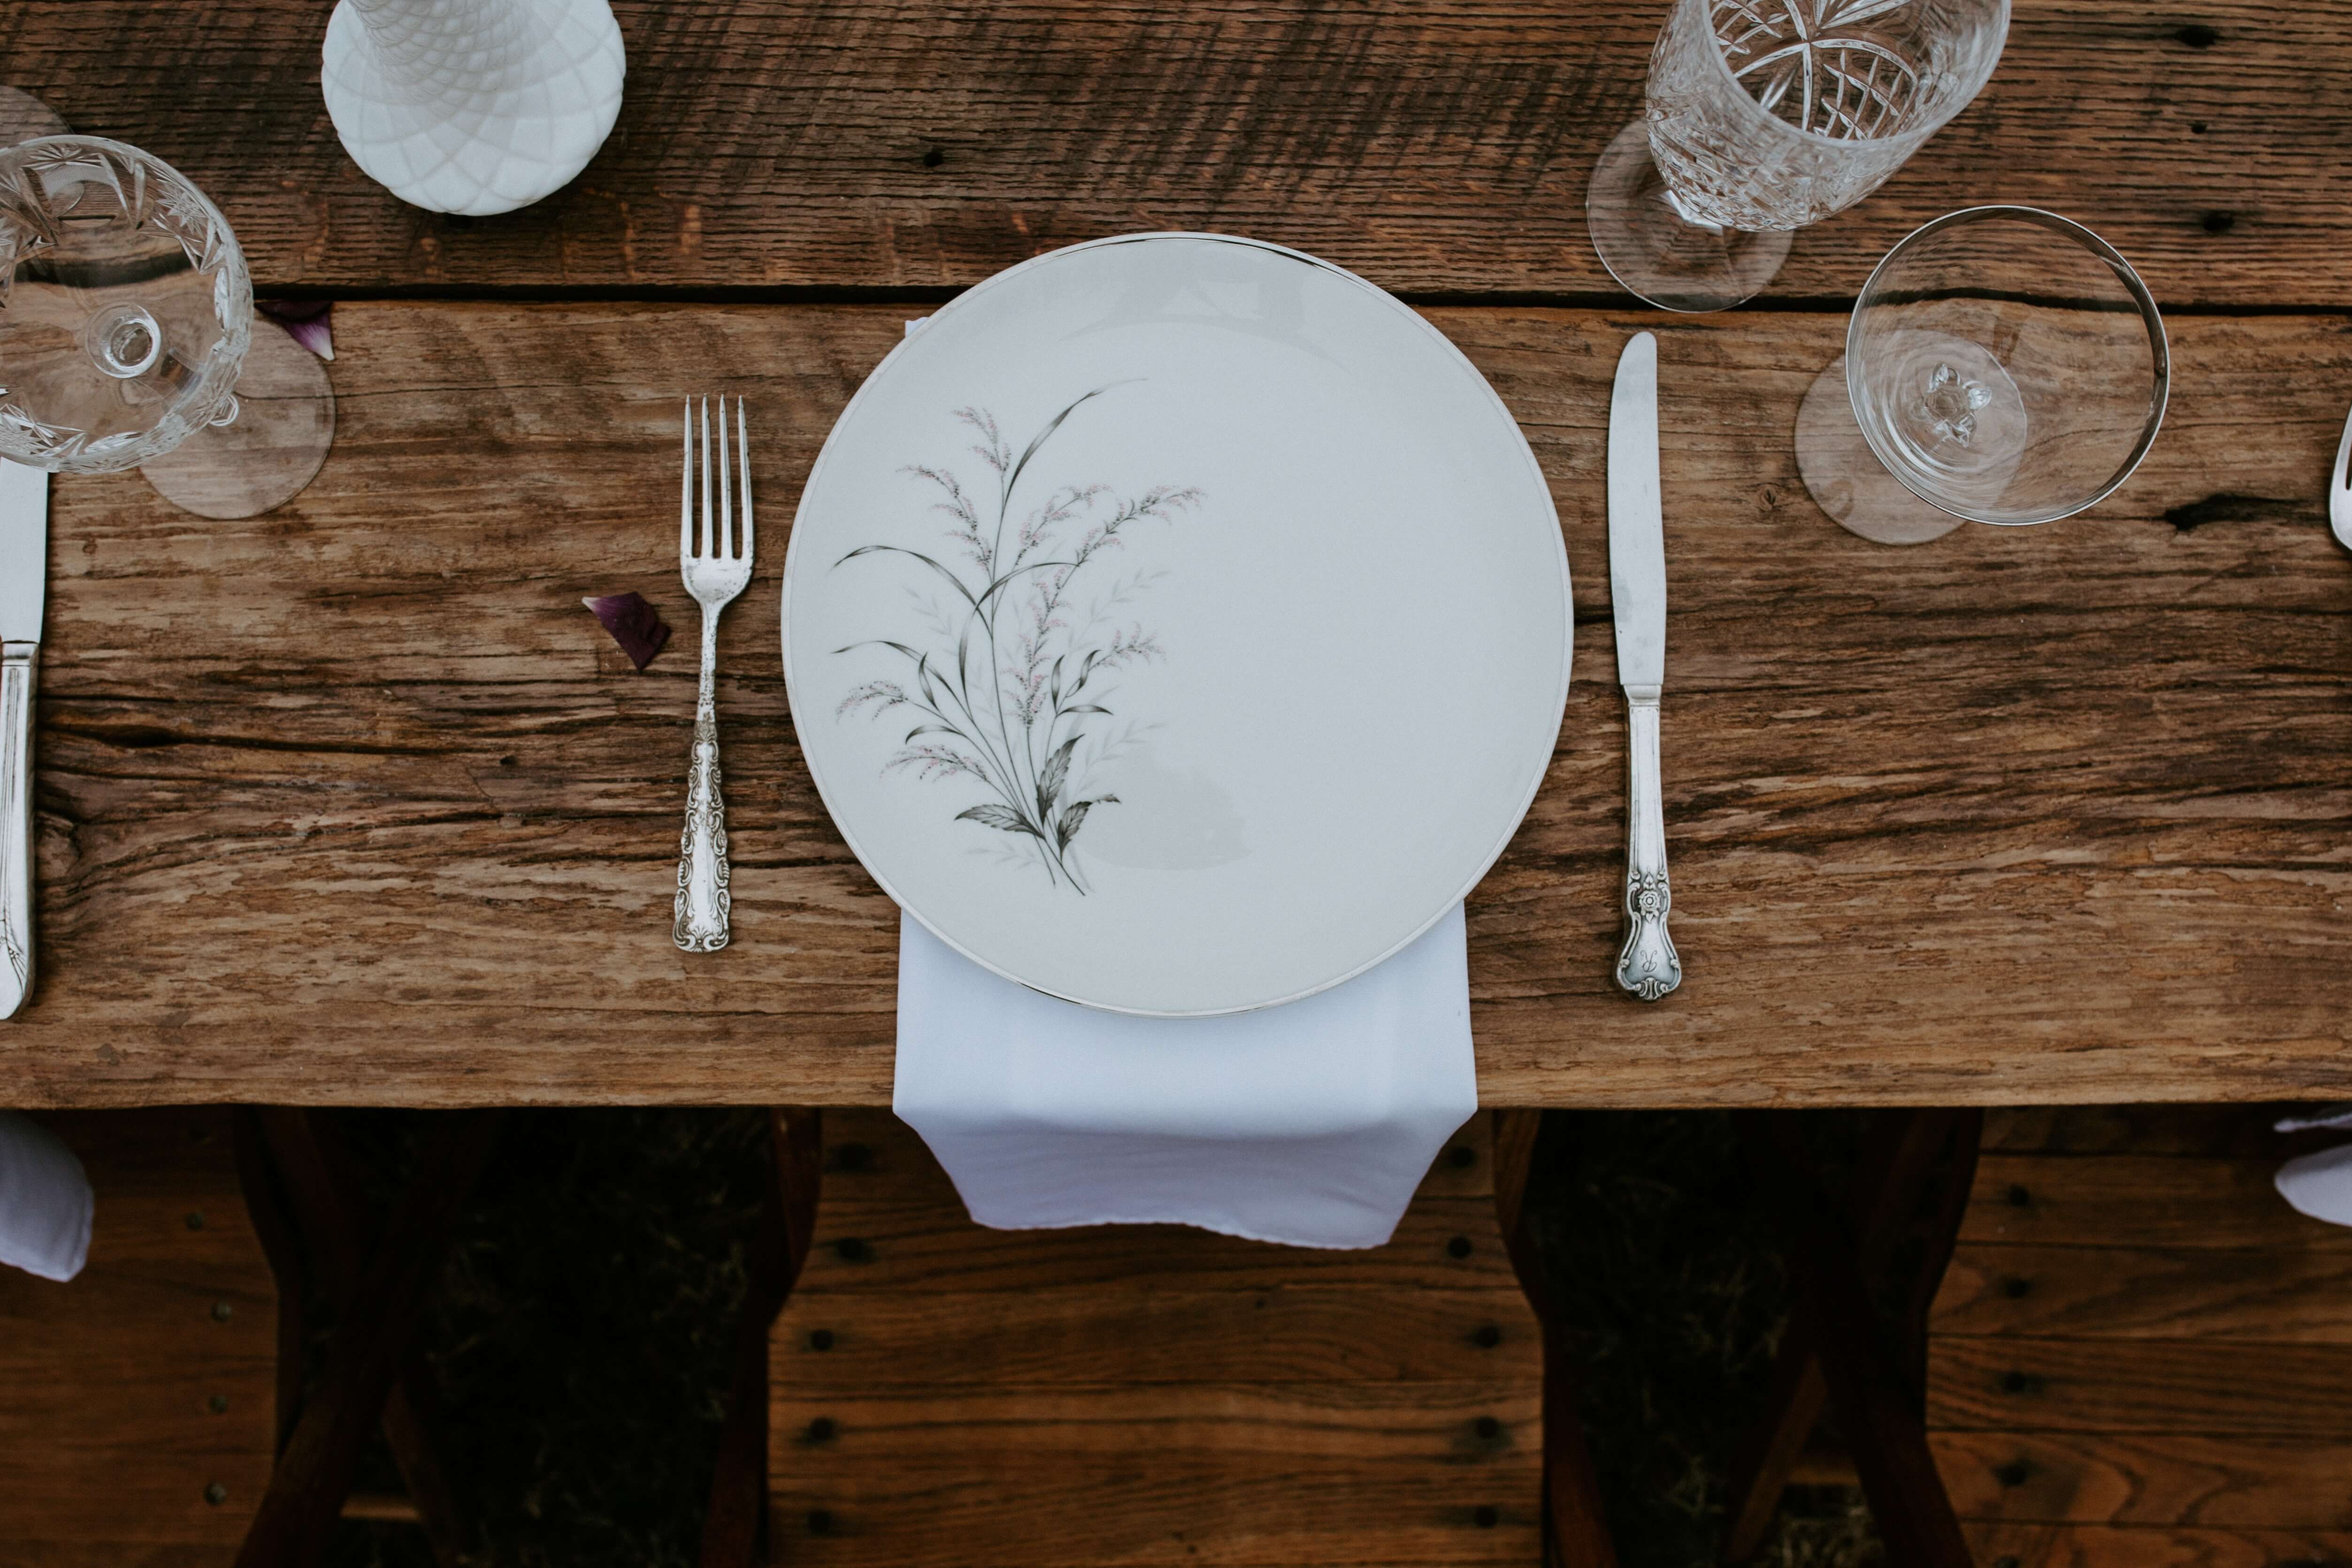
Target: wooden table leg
{"x":320,"y":1179}
{"x":731,"y":1527}
{"x":1895,"y":1159}
{"x":1837,"y":1355}
{"x":1576,"y":1528}
{"x":316,"y":1466}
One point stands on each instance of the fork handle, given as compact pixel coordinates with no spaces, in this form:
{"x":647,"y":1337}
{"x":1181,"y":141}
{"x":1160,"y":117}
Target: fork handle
{"x":700,"y":926}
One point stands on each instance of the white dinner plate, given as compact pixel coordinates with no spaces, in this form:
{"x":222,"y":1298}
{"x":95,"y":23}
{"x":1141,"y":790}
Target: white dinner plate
{"x":1177,"y":625}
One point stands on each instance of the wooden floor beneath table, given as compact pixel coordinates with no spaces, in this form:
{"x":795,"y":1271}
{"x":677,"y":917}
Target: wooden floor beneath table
{"x":2140,"y":1355}
{"x":137,"y":1423}
{"x":944,"y":1394}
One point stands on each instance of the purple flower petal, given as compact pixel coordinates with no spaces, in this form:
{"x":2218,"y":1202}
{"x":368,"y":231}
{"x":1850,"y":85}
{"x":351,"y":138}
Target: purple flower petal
{"x":306,"y":319}
{"x":634,"y":624}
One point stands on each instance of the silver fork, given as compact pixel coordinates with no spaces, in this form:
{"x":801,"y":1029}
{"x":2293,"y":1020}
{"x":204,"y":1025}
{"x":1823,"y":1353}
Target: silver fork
{"x":715,"y":573}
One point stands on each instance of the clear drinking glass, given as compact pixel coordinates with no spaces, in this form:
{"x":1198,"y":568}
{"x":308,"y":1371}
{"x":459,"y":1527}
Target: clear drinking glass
{"x":1762,"y":116}
{"x":126,"y":335}
{"x":2004,"y":365}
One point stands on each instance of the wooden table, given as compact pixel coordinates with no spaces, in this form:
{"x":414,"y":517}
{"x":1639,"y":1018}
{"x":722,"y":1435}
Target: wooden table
{"x":353,"y":802}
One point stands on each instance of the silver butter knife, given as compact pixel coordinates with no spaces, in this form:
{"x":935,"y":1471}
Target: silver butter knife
{"x":23,"y":584}
{"x":1647,"y":965}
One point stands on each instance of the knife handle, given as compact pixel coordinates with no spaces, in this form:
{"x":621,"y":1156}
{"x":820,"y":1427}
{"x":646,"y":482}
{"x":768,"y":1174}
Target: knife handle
{"x":1647,"y":965}
{"x":18,"y":663}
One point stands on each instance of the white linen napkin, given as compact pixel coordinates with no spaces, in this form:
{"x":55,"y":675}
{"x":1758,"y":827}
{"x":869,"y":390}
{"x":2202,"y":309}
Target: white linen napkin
{"x":1309,"y":1123}
{"x":45,"y":1203}
{"x":2320,"y":1184}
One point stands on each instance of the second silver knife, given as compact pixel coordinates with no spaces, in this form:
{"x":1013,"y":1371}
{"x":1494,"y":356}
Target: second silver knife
{"x":23,"y":584}
{"x":1647,"y":965}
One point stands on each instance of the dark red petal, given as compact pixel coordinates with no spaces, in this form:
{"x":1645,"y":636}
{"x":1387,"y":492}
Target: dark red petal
{"x":634,"y":624}
{"x":308,"y":319}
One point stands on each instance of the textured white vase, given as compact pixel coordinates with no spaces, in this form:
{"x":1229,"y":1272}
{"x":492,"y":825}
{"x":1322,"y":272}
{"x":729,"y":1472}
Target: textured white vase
{"x":472,"y":106}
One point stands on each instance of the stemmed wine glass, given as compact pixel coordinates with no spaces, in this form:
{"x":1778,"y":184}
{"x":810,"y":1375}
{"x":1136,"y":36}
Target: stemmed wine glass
{"x":1763,"y":115}
{"x":2004,"y":365}
{"x":126,"y":335}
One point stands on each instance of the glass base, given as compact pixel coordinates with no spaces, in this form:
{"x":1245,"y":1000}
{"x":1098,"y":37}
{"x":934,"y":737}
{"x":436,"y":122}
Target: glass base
{"x":1658,"y":254}
{"x":23,"y":116}
{"x":261,"y":460}
{"x":1847,"y":479}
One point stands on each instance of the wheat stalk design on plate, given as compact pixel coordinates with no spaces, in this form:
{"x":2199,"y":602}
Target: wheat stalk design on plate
{"x":1011,"y":688}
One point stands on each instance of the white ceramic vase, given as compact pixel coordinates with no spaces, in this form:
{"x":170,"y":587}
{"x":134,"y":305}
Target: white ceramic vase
{"x":472,"y":106}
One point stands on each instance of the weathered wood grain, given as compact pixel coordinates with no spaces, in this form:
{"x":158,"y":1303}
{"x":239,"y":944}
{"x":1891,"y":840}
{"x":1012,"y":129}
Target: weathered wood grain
{"x":2150,"y":1369}
{"x":896,"y":1250}
{"x":2302,"y":1296}
{"x":353,"y":803}
{"x":882,"y":1341}
{"x":146,"y":1379}
{"x":1146,"y":1394}
{"x":857,"y":144}
{"x":2160,"y":1479}
{"x":2128,"y":1199}
{"x":2233,"y":1131}
{"x":2156,"y":1547}
{"x":2149,"y":1386}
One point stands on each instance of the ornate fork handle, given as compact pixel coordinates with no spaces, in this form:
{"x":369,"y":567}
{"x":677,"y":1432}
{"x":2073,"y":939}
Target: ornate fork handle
{"x":1647,"y":965}
{"x":702,"y":899}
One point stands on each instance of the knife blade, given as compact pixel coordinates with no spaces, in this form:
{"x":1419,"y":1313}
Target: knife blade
{"x":1647,"y":965}
{"x":24,"y":585}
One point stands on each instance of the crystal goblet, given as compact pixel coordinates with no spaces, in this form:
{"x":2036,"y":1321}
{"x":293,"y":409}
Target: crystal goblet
{"x":2004,"y":365}
{"x":126,"y":335}
{"x":1763,"y":115}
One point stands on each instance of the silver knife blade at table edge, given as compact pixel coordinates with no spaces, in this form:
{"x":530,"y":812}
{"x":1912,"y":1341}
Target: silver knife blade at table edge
{"x":1637,"y":533}
{"x":24,"y":550}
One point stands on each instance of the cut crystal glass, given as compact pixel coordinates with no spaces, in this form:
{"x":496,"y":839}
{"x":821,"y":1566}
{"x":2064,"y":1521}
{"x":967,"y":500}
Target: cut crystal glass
{"x":1763,"y":115}
{"x":126,"y":317}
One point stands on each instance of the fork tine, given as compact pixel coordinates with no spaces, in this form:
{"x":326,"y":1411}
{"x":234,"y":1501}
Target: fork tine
{"x":686,"y":491}
{"x":743,"y":456}
{"x":720,"y":545}
{"x":702,"y":550}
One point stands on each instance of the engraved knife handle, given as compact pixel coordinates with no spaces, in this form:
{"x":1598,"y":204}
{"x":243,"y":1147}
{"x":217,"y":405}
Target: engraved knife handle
{"x":18,"y":663}
{"x":703,"y":902}
{"x":1646,"y":965}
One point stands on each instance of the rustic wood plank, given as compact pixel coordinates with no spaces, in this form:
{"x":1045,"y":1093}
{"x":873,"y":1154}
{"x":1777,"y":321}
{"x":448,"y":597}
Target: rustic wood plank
{"x":149,"y":1378}
{"x":887,"y":1340}
{"x":1146,"y":1394}
{"x":2021,"y":1383}
{"x":2129,"y":1199}
{"x":2254,"y":1295}
{"x":893,"y":1249}
{"x":353,"y":803}
{"x":859,"y":143}
{"x":2149,"y":1368}
{"x":1242,"y":1474}
{"x":2156,"y":1478}
{"x":2171,"y":1547}
{"x":2228,"y":1132}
